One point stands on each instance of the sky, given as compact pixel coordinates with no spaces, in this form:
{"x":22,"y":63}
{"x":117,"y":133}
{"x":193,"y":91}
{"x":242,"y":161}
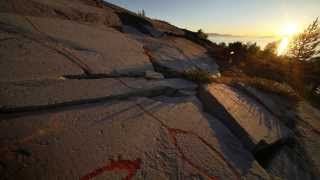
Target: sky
{"x":236,"y":17}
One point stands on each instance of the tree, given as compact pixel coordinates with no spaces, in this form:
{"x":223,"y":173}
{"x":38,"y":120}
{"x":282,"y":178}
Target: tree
{"x":252,"y":49}
{"x":271,"y":47}
{"x":238,"y":52}
{"x":302,"y":49}
{"x":142,"y":13}
{"x":239,"y":49}
{"x":202,"y":35}
{"x":222,"y":44}
{"x":304,"y":45}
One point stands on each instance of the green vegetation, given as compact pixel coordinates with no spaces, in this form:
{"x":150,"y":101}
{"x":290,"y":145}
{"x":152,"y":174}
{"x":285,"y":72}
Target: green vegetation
{"x":198,"y":76}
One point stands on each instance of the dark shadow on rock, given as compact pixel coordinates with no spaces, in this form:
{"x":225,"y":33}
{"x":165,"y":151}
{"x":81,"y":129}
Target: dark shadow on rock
{"x":264,"y":117}
{"x":138,"y":70}
{"x":9,"y":112}
{"x":194,"y":37}
{"x":230,"y":146}
{"x":264,"y":152}
{"x":236,"y":153}
{"x":135,"y":21}
{"x":284,"y":156}
{"x":213,"y":107}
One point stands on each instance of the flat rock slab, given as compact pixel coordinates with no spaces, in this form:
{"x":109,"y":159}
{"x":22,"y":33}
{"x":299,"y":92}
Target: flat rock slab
{"x":308,"y":125}
{"x":24,"y":59}
{"x":244,"y":112}
{"x":143,"y":137}
{"x":288,"y":162}
{"x":101,"y":50}
{"x":179,"y":55}
{"x":75,"y":10}
{"x":278,"y":105}
{"x":119,"y":54}
{"x":33,"y":95}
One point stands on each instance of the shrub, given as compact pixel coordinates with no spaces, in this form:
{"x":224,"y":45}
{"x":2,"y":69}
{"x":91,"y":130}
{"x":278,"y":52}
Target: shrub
{"x":198,"y":76}
{"x":271,"y":48}
{"x":260,"y":84}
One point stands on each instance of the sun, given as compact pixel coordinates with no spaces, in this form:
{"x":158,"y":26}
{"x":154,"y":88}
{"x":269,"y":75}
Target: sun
{"x":289,"y":29}
{"x":286,"y":33}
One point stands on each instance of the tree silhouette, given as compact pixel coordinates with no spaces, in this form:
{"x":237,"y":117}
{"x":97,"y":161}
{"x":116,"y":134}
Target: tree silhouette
{"x":304,"y":45}
{"x":142,"y":13}
{"x":202,"y":34}
{"x":271,"y":47}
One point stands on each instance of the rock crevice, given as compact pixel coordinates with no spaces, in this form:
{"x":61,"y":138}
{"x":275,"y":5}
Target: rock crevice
{"x":85,"y":81}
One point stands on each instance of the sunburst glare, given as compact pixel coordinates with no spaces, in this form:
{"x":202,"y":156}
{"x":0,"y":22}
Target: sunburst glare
{"x":286,"y":34}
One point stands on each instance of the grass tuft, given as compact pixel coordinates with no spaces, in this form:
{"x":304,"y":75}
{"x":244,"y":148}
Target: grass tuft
{"x":262,"y":84}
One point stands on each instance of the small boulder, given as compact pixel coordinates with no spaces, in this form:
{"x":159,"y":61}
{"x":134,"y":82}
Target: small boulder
{"x":153,"y":75}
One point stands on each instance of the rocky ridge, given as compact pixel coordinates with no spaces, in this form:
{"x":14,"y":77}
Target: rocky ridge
{"x":89,"y":90}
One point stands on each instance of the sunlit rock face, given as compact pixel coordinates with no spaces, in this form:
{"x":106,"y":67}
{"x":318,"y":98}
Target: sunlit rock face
{"x":89,"y":90}
{"x":82,"y":46}
{"x":180,"y":55}
{"x":245,"y":115}
{"x":287,"y":162}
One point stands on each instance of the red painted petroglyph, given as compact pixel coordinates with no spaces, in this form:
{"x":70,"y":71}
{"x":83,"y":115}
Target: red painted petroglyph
{"x":133,"y":166}
{"x":119,"y":165}
{"x":173,"y":137}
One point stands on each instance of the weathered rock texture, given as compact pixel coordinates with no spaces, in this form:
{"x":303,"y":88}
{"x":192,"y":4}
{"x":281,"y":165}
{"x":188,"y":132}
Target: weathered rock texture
{"x":35,"y":95}
{"x":89,"y":90}
{"x":300,"y":159}
{"x":244,"y":115}
{"x":146,"y":136}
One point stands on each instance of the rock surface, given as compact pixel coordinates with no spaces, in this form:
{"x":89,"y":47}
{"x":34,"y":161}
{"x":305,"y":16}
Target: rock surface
{"x":36,"y":95}
{"x":25,"y":59}
{"x":145,"y":136}
{"x":288,"y":162}
{"x":116,"y":55}
{"x":89,"y":90}
{"x":179,"y":55}
{"x":153,"y":75}
{"x":244,"y":115}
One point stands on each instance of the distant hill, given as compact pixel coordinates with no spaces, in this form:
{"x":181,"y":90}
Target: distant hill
{"x":231,"y":35}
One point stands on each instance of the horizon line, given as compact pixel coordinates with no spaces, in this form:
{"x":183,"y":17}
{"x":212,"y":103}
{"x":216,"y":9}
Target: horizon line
{"x":237,"y":35}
